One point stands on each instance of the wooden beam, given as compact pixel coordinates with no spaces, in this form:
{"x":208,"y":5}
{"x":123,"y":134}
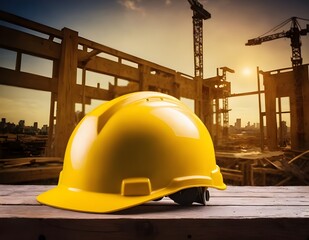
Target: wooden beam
{"x":122,"y":55}
{"x":160,"y":82}
{"x":236,"y":213}
{"x":65,"y":121}
{"x":26,"y":43}
{"x":88,"y":56}
{"x":245,"y":94}
{"x":93,"y":93}
{"x":187,"y":86}
{"x":120,"y":90}
{"x":27,"y":80}
{"x":109,"y":67}
{"x":28,"y":174}
{"x":20,"y":21}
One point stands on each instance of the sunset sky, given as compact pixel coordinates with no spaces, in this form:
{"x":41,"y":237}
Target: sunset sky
{"x":161,"y":31}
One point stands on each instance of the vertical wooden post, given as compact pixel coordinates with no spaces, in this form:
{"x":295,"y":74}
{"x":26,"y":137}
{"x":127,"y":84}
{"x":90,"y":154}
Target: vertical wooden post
{"x":198,"y":99}
{"x":50,"y":141}
{"x":83,"y":87}
{"x":260,"y":110}
{"x":18,"y":62}
{"x":207,"y":109}
{"x":176,"y":86}
{"x":299,"y":143}
{"x":66,"y":90}
{"x":280,"y":122}
{"x":143,"y":73}
{"x":270,"y":103}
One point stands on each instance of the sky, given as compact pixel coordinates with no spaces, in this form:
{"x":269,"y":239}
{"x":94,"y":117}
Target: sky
{"x":161,"y":31}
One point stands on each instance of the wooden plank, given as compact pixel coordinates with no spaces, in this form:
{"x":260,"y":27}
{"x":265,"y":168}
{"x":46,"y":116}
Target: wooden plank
{"x":239,"y":212}
{"x":109,"y":67}
{"x":27,"y":80}
{"x":260,"y":191}
{"x":122,"y":55}
{"x":120,"y":90}
{"x":12,"y":195}
{"x":302,"y":200}
{"x":241,"y":196}
{"x":92,"y":93}
{"x":158,"y":210}
{"x":231,"y":191}
{"x":153,"y":229}
{"x":161,"y":81}
{"x":30,"y":44}
{"x":26,"y":174}
{"x":11,"y":18}
{"x":13,"y":161}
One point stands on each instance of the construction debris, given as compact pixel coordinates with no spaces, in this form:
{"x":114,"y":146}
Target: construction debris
{"x":254,"y":168}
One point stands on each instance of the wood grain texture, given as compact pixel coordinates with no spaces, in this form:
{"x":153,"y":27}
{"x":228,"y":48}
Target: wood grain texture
{"x":238,"y":212}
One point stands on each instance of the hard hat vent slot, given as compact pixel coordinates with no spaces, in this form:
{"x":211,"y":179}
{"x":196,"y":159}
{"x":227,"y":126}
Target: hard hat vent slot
{"x":154,"y":99}
{"x":135,"y":187}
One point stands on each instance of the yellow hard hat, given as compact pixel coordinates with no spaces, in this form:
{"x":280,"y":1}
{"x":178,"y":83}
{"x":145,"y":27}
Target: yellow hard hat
{"x":133,"y":149}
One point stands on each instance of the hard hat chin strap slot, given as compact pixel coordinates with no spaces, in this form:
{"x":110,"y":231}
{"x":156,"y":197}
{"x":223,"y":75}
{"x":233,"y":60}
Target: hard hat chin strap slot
{"x":188,"y":196}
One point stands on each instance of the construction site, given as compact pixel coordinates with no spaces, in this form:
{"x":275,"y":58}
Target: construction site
{"x":156,"y":172}
{"x":270,"y":156}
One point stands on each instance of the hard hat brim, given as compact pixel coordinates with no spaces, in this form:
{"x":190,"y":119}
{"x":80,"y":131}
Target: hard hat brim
{"x":73,"y":199}
{"x":85,"y":201}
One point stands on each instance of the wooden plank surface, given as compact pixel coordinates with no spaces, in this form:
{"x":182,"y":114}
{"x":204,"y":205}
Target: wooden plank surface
{"x":238,"y":212}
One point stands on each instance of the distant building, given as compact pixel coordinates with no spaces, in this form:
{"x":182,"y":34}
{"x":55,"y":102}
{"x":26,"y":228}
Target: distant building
{"x":35,"y":126}
{"x":3,"y":123}
{"x":21,"y":123}
{"x":3,"y":126}
{"x":238,"y":123}
{"x":44,"y":129}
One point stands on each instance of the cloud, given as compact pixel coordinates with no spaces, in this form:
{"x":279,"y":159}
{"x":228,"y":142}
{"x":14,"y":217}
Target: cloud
{"x":132,"y":5}
{"x":168,"y":2}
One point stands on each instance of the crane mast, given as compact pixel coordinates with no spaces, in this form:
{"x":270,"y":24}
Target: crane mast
{"x":199,"y":14}
{"x":294,"y":33}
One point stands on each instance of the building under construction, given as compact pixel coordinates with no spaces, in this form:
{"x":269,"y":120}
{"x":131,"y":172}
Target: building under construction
{"x":239,"y":212}
{"x":70,"y":53}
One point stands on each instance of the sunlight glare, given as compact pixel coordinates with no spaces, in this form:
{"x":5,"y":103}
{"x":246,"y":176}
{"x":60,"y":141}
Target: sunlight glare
{"x":246,"y":71}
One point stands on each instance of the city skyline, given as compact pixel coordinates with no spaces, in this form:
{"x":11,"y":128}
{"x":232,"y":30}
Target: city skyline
{"x":238,"y":123}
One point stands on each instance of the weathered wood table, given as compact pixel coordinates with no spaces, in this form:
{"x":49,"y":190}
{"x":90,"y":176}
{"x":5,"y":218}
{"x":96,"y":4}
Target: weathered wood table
{"x":236,"y":213}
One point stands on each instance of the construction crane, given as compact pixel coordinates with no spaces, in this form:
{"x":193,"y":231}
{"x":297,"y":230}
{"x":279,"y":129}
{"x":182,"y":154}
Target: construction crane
{"x":199,"y":14}
{"x":294,"y":34}
{"x":226,"y":94}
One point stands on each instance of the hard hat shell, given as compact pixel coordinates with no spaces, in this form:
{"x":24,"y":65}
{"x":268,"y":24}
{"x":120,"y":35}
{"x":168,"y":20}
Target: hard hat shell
{"x":136,"y":148}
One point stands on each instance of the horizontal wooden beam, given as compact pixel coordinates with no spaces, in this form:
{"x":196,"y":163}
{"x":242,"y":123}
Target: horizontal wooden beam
{"x":121,"y":90}
{"x":27,"y":80}
{"x":36,"y":82}
{"x":160,"y":82}
{"x":187,"y":87}
{"x":109,"y":67}
{"x":26,"y":43}
{"x":23,"y":22}
{"x":245,"y":94}
{"x":94,"y":93}
{"x":122,"y":55}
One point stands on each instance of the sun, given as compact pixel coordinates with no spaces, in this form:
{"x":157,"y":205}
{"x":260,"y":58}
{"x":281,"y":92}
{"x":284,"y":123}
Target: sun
{"x":246,"y":71}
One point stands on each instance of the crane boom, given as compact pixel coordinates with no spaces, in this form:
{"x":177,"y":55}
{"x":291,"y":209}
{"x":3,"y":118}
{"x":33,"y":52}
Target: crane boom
{"x":259,"y":40}
{"x":294,"y":34}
